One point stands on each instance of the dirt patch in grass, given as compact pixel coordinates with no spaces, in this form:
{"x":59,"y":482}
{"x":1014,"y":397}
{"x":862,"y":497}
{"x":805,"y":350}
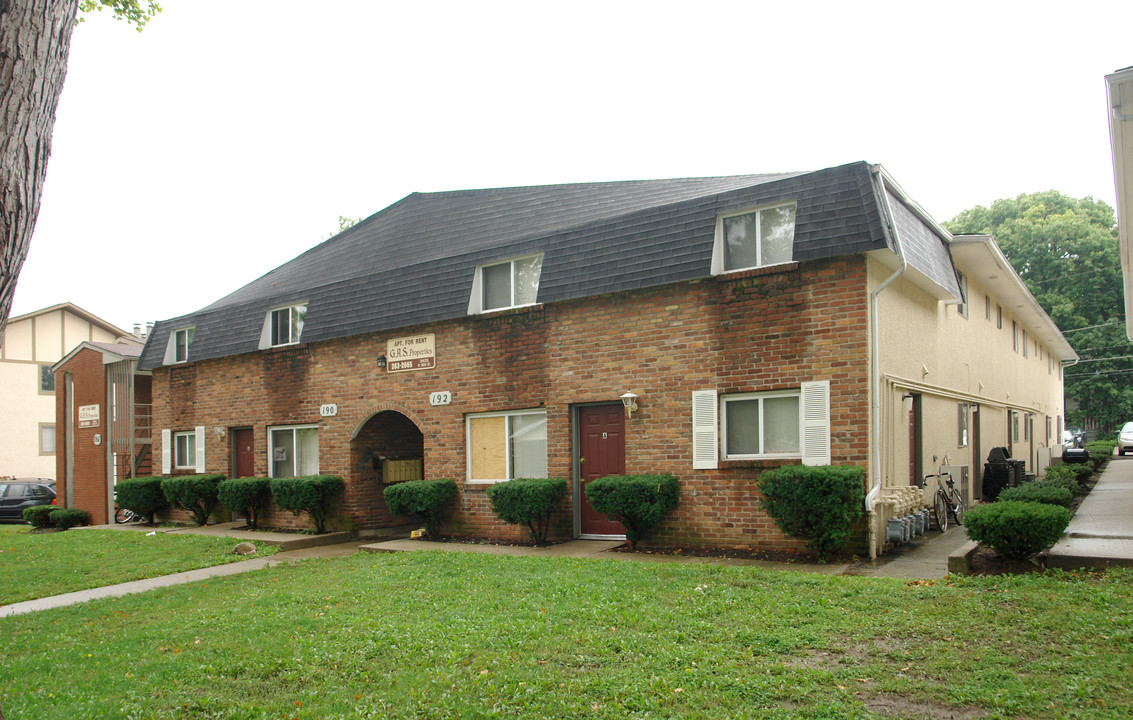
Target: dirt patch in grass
{"x":902,"y":707}
{"x":985,"y":561}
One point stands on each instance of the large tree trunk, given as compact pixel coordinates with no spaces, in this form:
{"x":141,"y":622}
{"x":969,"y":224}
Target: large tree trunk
{"x":35,"y":38}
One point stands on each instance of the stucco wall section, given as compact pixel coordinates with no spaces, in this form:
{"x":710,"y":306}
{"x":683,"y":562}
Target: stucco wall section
{"x":930,"y":348}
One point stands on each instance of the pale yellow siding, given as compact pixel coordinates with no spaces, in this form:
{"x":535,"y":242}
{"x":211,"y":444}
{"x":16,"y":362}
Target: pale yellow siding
{"x":929,"y":348}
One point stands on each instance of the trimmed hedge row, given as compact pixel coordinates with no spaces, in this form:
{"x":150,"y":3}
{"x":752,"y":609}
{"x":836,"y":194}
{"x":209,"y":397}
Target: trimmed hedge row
{"x":426,"y":500}
{"x":47,"y":516}
{"x":248,"y":496}
{"x":817,"y":503}
{"x":1016,"y":529}
{"x":638,"y":502}
{"x":195,"y":493}
{"x":314,"y":494}
{"x":1054,"y":493}
{"x":199,"y":495}
{"x":528,"y":501}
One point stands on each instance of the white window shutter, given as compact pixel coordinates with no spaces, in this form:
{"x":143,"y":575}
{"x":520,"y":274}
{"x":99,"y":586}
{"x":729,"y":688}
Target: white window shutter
{"x":705,"y":453}
{"x":200,"y":449}
{"x":816,"y":422}
{"x":166,"y":452}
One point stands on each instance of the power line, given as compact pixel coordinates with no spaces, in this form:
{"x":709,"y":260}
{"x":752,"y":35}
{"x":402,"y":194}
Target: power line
{"x":1091,"y":327}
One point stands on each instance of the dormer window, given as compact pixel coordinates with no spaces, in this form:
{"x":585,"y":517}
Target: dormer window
{"x":754,"y":238}
{"x":287,"y":324}
{"x":507,"y":284}
{"x":177,"y":349}
{"x":181,"y":341}
{"x":283,"y":326}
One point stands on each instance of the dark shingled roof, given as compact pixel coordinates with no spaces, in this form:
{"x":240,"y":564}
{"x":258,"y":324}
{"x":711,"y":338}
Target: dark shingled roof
{"x":414,"y":262}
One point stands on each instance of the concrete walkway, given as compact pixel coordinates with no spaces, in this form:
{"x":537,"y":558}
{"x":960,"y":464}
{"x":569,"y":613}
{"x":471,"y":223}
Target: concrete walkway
{"x":1101,"y":532}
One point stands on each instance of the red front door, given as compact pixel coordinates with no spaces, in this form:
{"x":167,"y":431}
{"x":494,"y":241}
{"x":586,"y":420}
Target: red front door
{"x":244,"y":450}
{"x":601,"y":451}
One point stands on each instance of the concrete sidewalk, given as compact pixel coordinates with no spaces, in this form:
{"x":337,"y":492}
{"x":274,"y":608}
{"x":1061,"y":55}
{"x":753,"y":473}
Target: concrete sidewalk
{"x":1101,"y":532}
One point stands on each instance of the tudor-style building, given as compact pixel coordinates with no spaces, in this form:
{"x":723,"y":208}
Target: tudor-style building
{"x":818,"y":317}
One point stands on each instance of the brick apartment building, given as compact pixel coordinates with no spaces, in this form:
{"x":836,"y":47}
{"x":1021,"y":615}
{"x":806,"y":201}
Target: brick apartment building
{"x":818,"y":317}
{"x":103,"y":412}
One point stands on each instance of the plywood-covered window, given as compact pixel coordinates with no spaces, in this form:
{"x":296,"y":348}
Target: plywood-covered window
{"x":505,"y":446}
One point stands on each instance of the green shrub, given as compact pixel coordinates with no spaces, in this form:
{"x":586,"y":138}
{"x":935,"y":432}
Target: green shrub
{"x":195,"y":493}
{"x":143,"y":495}
{"x":39,"y":516}
{"x":1100,"y":449}
{"x":817,"y":503}
{"x":64,"y":518}
{"x":1061,"y":480}
{"x":528,"y":501}
{"x":426,"y":500}
{"x":314,"y":494}
{"x":638,"y":502}
{"x":247,"y":496}
{"x":1016,"y":529}
{"x":1053,"y":493}
{"x":1078,"y":473}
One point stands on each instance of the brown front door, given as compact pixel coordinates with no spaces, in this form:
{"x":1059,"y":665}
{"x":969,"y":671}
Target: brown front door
{"x":601,"y":451}
{"x":243,"y":449}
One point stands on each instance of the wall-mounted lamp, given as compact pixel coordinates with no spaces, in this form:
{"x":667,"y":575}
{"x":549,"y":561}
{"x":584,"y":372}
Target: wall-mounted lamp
{"x":381,"y":361}
{"x":220,"y":432}
{"x":630,"y":402}
{"x":908,"y":396}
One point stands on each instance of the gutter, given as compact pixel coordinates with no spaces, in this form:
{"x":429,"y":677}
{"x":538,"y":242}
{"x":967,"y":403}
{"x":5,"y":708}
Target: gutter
{"x":890,"y":229}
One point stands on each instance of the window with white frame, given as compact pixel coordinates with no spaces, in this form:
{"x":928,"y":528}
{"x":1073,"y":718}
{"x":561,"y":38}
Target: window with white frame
{"x":760,"y":425}
{"x":47,"y":438}
{"x":506,"y":445}
{"x":294,"y":450}
{"x":754,"y":238}
{"x":783,"y":424}
{"x":508,"y":284}
{"x":184,"y":450}
{"x":283,"y":326}
{"x":181,"y":340}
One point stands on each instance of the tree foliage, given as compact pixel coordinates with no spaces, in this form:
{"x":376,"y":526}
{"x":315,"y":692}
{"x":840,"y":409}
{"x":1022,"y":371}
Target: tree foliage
{"x":1065,"y":251}
{"x":35,"y":42}
{"x":132,"y":11}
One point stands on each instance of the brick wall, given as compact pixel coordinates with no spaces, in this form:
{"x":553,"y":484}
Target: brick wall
{"x":760,"y":330}
{"x":90,"y":469}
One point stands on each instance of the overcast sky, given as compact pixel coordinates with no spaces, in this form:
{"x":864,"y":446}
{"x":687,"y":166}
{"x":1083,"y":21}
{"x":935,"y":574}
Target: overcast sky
{"x":228,"y":137}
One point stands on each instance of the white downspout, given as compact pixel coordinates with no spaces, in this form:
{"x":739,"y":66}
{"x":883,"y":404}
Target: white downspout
{"x":875,"y":362}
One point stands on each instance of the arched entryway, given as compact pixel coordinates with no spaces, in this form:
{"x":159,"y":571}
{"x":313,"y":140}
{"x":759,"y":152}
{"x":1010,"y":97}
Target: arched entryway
{"x":388,"y":447}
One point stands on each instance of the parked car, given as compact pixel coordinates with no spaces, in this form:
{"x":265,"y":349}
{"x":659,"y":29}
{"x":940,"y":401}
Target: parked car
{"x":15,"y":495}
{"x":1073,"y":438}
{"x":1125,"y":438}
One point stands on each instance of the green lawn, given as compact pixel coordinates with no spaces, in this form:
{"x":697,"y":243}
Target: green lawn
{"x":456,"y":635}
{"x":36,"y":565}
